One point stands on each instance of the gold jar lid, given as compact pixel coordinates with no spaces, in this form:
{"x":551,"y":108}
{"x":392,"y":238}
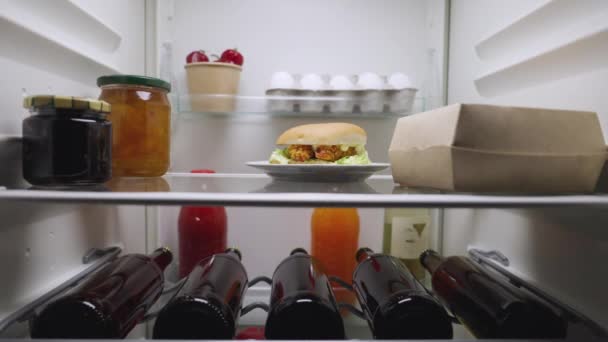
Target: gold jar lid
{"x":66,"y":102}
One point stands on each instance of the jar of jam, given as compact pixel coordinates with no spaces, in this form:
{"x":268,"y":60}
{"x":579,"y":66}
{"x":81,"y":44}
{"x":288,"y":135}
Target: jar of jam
{"x":67,"y":141}
{"x":141,"y":124}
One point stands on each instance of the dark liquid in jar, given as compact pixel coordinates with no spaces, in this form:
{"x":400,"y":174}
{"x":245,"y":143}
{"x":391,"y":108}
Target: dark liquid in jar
{"x":67,"y":147}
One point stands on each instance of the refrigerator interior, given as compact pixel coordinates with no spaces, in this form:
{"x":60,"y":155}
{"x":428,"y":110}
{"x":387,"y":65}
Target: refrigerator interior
{"x":535,"y":54}
{"x":526,"y":53}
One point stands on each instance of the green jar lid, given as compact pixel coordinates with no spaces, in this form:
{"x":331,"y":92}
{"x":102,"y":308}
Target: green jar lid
{"x":67,"y":102}
{"x":133,"y":80}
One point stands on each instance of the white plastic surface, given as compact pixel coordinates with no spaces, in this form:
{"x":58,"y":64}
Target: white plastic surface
{"x":586,"y":52}
{"x":552,"y":23}
{"x":338,"y":105}
{"x":563,"y":251}
{"x":42,"y":244}
{"x":60,"y":47}
{"x":337,"y":37}
{"x":63,"y":24}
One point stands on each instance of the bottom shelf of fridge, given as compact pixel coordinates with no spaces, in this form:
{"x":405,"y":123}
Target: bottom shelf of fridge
{"x":255,"y":305}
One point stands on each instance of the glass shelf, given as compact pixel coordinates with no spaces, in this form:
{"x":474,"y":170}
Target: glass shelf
{"x":293,"y":106}
{"x":260,"y":190}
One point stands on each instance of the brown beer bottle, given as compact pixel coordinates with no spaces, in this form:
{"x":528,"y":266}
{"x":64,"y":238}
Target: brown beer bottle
{"x":208,"y":306}
{"x":109,"y":302}
{"x":490,"y":307}
{"x":302,"y":303}
{"x":395,"y":304}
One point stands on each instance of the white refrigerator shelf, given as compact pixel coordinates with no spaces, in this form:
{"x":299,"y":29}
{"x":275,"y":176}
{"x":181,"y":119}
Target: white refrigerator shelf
{"x":296,"y":106}
{"x":261,"y":191}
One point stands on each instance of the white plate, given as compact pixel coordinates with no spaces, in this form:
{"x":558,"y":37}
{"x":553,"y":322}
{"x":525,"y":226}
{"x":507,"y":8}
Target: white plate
{"x":318,"y":172}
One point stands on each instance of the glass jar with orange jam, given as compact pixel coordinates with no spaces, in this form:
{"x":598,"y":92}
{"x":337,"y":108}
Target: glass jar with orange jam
{"x":141,"y":124}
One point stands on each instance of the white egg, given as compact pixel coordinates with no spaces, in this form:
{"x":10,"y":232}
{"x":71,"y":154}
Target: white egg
{"x":370,"y":80}
{"x":341,"y":82}
{"x":399,"y":80}
{"x":282,"y":80}
{"x":312,"y":82}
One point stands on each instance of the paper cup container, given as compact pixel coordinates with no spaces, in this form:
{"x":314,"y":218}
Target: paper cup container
{"x":212,"y":86}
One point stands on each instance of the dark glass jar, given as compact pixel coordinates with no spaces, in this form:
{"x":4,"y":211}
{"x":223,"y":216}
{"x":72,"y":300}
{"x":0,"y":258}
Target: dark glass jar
{"x":66,"y":141}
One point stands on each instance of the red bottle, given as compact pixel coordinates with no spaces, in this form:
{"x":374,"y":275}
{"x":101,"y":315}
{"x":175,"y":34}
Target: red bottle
{"x":202,"y":232}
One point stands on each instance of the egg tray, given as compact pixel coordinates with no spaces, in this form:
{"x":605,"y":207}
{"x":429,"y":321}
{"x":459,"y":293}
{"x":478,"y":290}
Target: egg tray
{"x":341,"y":101}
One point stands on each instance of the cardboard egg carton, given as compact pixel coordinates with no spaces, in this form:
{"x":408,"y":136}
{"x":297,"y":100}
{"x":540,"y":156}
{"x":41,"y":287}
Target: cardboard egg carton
{"x":312,"y":93}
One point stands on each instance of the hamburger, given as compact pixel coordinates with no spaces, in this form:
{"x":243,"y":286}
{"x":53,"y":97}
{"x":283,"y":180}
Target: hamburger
{"x":328,"y":143}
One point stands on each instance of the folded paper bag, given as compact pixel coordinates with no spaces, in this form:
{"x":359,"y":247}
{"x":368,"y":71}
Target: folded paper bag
{"x":485,"y":148}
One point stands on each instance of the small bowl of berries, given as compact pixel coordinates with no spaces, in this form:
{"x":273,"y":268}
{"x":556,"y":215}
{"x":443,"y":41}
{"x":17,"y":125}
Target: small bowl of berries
{"x":213,"y":85}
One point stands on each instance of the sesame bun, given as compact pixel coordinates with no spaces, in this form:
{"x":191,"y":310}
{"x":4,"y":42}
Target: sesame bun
{"x":337,"y":133}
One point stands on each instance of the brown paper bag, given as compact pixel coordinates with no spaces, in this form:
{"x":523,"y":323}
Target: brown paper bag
{"x":484,"y":148}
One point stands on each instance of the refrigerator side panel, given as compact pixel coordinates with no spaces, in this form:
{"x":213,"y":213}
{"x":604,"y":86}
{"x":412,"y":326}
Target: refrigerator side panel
{"x":534,"y":53}
{"x":59,"y":47}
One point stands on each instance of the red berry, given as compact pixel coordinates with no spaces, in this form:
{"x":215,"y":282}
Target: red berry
{"x":231,"y":56}
{"x":197,"y":56}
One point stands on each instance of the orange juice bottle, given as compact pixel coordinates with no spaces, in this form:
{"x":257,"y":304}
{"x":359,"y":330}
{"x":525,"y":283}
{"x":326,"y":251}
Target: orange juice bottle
{"x":334,"y":242}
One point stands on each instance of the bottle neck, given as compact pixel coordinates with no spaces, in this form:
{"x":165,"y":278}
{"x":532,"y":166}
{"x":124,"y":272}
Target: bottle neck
{"x":431,"y":260}
{"x":162,"y":257}
{"x":235,"y":253}
{"x":363,"y":254}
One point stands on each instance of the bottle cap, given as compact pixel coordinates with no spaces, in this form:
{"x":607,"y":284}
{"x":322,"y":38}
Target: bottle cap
{"x":363,"y":252}
{"x":66,"y":102}
{"x":133,"y":80}
{"x":162,"y":256}
{"x":298,"y":250}
{"x":426,"y":253}
{"x":235,"y":251}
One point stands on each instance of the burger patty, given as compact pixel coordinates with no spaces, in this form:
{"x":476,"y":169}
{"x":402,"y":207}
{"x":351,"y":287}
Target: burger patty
{"x":330,"y":153}
{"x":300,"y":153}
{"x":333,"y":152}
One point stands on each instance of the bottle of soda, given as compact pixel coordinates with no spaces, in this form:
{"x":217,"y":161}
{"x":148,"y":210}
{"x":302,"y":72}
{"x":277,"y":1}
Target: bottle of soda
{"x":202,"y":232}
{"x":208,"y":306}
{"x":395,"y":304}
{"x":302,"y":303}
{"x":109,"y":302}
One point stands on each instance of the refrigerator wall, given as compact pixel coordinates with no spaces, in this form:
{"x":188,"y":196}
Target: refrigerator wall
{"x":341,"y":37}
{"x":59,"y":47}
{"x":540,"y":54}
{"x":337,"y":37}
